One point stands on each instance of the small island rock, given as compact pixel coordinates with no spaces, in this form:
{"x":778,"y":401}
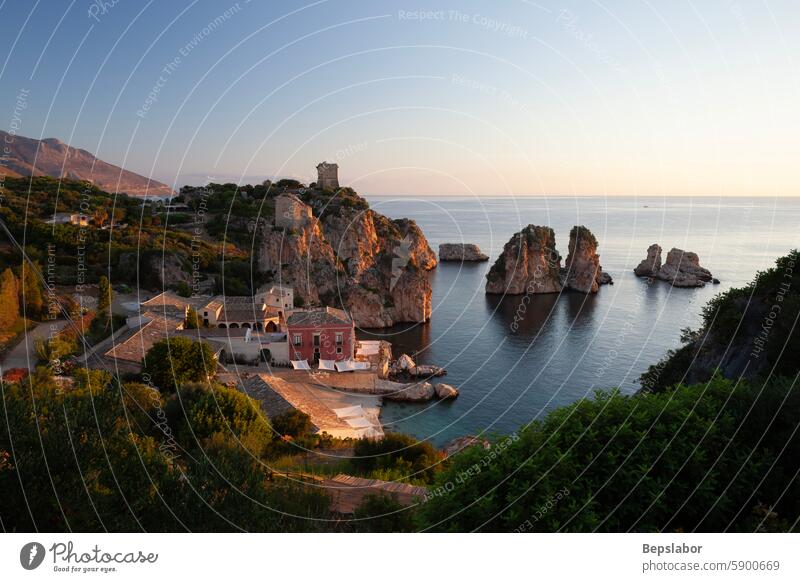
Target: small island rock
{"x":446,"y":391}
{"x":651,"y":265}
{"x":461,"y":252}
{"x":683,"y":269}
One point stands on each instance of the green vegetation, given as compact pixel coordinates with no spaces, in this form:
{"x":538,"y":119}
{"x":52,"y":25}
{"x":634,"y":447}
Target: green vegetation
{"x":121,"y":464}
{"x":104,"y":295}
{"x":397,"y":457}
{"x":175,"y":361}
{"x":750,"y":331}
{"x":705,"y":458}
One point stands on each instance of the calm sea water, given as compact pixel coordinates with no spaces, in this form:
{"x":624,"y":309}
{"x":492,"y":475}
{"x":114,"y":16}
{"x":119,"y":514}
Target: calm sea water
{"x":566,"y":346}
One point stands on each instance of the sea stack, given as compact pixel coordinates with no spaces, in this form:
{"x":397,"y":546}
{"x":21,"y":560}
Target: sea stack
{"x":651,"y":265}
{"x":461,"y":252}
{"x":529,"y":263}
{"x":681,"y":269}
{"x":582,"y":271}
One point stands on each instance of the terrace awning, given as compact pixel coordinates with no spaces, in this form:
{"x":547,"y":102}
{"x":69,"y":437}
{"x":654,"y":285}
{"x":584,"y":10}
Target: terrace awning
{"x":300,"y":365}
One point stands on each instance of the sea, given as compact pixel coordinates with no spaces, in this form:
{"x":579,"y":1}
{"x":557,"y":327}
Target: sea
{"x":515,"y":359}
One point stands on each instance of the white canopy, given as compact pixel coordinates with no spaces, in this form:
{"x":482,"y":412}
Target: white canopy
{"x":349,"y":411}
{"x":359,"y":422}
{"x":345,"y":366}
{"x":327,"y":365}
{"x":300,"y":365}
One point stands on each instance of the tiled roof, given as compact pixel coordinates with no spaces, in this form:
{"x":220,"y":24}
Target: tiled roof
{"x":326,"y":316}
{"x":204,"y":332}
{"x":136,"y":346}
{"x":279,"y":396}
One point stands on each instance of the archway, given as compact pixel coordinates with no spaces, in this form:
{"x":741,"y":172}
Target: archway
{"x":271,"y":327}
{"x":222,"y":326}
{"x":233,"y":326}
{"x":246,"y":326}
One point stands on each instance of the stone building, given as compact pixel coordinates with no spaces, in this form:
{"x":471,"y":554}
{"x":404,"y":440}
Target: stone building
{"x":327,"y":176}
{"x":291,"y":212}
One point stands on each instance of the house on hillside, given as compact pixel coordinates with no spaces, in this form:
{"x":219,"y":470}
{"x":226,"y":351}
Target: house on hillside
{"x":321,"y":334}
{"x":280,"y":297}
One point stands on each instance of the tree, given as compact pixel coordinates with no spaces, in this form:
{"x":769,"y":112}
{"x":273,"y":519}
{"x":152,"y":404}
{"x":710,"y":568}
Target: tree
{"x":383,"y":513}
{"x":192,"y":321}
{"x":294,"y":423}
{"x":177,"y":360}
{"x":397,"y":456}
{"x":31,"y":291}
{"x":104,"y":296}
{"x":9,"y":300}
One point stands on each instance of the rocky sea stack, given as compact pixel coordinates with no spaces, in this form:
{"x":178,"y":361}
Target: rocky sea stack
{"x":461,"y":252}
{"x":340,"y":252}
{"x":681,"y":269}
{"x":531,"y":264}
{"x":582,"y":271}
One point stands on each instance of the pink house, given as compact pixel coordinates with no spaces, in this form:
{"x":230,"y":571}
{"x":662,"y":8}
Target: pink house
{"x":321,"y":334}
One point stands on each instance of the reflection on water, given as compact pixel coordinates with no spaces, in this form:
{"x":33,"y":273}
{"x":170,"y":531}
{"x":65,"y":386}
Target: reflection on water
{"x":515,"y":358}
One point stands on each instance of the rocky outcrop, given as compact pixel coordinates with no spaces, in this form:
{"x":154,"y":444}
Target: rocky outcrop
{"x":405,"y":366}
{"x":582,"y":271}
{"x":154,"y":269}
{"x":529,"y":263}
{"x":400,"y":392}
{"x":446,"y":391}
{"x":461,"y":252}
{"x":351,"y":256}
{"x":681,"y":269}
{"x":651,"y":265}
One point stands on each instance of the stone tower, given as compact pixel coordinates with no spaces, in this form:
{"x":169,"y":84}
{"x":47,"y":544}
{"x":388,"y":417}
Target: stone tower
{"x":327,"y":176}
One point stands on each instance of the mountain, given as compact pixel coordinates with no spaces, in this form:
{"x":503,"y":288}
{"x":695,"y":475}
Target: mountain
{"x":58,"y":160}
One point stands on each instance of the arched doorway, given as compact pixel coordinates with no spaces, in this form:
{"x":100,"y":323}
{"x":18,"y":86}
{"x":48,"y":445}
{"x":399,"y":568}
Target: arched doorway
{"x":245,"y":326}
{"x":233,"y":326}
{"x":222,"y":326}
{"x":271,"y":327}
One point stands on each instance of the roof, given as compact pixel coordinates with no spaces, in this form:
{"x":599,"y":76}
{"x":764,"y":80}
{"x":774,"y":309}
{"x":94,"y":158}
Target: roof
{"x":327,"y":164}
{"x":278,"y":397}
{"x":169,"y":298}
{"x":204,"y":332}
{"x":245,"y":314}
{"x":134,"y":348}
{"x":318,"y":317}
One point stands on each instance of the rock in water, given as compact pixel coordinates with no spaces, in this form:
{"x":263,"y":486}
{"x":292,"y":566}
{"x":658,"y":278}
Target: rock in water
{"x":650,"y":266}
{"x":529,"y":263}
{"x":683,"y":269}
{"x":461,"y":252}
{"x":446,"y":391}
{"x":582,"y":270}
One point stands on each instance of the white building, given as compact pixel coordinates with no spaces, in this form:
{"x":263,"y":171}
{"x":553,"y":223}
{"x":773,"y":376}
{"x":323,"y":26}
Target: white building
{"x":280,"y":297}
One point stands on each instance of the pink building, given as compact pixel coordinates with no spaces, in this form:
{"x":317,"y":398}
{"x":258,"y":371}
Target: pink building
{"x":321,"y":334}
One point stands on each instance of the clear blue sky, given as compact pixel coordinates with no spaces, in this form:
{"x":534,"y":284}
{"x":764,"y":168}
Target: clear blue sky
{"x":612,"y":97}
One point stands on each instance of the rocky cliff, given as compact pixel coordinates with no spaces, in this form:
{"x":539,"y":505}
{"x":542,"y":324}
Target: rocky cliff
{"x":529,"y":263}
{"x":461,"y":252}
{"x":582,"y":271}
{"x":351,"y":256}
{"x":681,"y":269}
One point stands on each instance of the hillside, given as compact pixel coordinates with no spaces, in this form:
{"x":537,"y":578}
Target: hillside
{"x":748,"y":332}
{"x":52,"y":157}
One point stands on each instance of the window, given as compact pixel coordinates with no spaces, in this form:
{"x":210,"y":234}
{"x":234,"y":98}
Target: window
{"x":316,"y":339}
{"x":339,"y":338}
{"x":338,"y":350}
{"x":297,"y":339}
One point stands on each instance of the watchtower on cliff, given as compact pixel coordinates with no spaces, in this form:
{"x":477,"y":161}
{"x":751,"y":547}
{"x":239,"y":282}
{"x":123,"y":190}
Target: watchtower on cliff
{"x":327,"y":176}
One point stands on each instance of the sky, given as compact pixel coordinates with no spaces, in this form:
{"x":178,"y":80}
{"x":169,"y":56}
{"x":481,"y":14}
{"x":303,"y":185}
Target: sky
{"x":619,"y":97}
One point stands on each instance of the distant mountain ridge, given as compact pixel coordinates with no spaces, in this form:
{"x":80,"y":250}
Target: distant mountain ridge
{"x":58,"y":160}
